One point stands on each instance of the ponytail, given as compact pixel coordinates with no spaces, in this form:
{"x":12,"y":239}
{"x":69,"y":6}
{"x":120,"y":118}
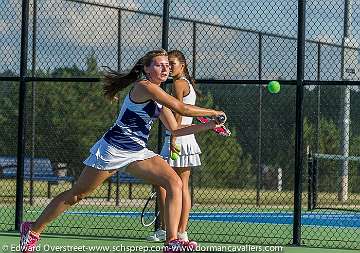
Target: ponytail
{"x":115,"y":81}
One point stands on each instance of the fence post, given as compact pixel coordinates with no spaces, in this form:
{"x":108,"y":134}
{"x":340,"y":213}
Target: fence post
{"x":259,"y":170}
{"x":318,"y":118}
{"x":21,"y":119}
{"x":33,"y":104}
{"x":194,"y":49}
{"x":164,"y":45}
{"x":299,"y":123}
{"x":119,"y":42}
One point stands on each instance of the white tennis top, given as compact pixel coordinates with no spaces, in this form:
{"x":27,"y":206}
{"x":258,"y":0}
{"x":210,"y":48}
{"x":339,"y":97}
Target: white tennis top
{"x":189,"y":99}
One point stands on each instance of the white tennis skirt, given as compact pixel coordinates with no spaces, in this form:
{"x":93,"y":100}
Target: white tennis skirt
{"x":103,"y":156}
{"x":189,"y":152}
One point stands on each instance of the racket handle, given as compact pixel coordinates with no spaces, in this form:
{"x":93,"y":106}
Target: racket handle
{"x":221,"y":118}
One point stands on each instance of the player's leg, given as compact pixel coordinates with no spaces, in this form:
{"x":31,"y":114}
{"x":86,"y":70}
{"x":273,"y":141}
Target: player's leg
{"x":156,"y":171}
{"x":162,"y":196}
{"x":160,"y":233}
{"x":88,"y":181}
{"x":184,"y":174}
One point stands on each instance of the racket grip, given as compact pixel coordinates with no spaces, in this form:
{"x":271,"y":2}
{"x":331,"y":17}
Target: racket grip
{"x":221,"y":118}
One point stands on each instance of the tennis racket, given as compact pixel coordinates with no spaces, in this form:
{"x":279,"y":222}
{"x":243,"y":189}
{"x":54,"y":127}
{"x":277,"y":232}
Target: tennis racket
{"x":223,"y":130}
{"x":149,"y":212}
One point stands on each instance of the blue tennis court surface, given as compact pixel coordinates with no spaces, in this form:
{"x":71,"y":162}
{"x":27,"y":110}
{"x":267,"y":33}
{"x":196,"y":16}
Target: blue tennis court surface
{"x":310,"y":219}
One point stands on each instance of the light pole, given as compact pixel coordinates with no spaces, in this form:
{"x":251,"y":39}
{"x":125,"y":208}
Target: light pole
{"x":348,"y":72}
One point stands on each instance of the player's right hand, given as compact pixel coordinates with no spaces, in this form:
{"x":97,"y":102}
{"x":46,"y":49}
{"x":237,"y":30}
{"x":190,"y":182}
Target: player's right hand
{"x":221,"y":117}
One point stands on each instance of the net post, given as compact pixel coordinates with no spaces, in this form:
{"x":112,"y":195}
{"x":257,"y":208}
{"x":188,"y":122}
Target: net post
{"x":117,"y":189}
{"x":192,"y":189}
{"x":310,"y":179}
{"x":315,"y":182}
{"x":109,"y":189}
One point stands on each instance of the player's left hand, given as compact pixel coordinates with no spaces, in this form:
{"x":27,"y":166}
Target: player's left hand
{"x":213,"y":124}
{"x":173,"y":146}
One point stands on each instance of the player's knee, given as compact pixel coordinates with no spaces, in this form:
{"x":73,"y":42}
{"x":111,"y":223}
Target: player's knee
{"x":175,"y":185}
{"x":74,"y":198}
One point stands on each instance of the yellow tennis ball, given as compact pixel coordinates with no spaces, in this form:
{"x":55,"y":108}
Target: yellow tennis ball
{"x":174,"y":156}
{"x":273,"y":87}
{"x":178,"y":148}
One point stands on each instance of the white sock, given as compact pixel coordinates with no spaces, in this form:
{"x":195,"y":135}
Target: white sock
{"x":183,"y":236}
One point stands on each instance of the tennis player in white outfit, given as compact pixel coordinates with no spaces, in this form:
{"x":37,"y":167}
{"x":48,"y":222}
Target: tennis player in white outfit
{"x":183,"y":90}
{"x":124,"y":147}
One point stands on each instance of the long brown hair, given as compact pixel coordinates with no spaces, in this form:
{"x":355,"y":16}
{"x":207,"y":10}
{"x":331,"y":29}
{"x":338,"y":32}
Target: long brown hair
{"x":115,"y":81}
{"x":180,"y":56}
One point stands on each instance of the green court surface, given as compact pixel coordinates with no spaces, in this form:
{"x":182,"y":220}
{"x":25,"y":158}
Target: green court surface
{"x":56,"y":243}
{"x":207,"y":231}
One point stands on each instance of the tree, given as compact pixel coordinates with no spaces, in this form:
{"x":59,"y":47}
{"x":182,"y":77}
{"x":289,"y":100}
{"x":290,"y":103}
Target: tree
{"x":8,"y":118}
{"x":224,"y":163}
{"x":70,"y":117}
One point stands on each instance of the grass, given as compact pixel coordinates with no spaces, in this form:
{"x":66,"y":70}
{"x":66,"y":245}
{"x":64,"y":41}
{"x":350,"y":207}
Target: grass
{"x":205,"y":199}
{"x":202,"y":196}
{"x":220,"y":232}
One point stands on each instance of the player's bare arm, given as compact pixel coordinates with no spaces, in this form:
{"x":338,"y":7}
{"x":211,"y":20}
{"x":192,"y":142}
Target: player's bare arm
{"x":180,"y":88}
{"x":159,"y":95}
{"x":168,"y":119}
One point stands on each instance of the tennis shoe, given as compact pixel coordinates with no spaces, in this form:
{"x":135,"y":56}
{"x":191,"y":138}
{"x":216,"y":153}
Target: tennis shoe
{"x":28,"y":238}
{"x":189,"y":245}
{"x":174,"y":246}
{"x":159,"y":235}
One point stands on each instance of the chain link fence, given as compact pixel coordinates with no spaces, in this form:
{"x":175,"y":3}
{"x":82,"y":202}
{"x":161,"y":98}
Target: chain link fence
{"x":244,"y":190}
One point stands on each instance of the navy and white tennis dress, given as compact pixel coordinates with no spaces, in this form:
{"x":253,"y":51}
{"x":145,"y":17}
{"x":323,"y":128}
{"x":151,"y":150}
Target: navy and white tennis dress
{"x":126,"y":141}
{"x":190,"y":150}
